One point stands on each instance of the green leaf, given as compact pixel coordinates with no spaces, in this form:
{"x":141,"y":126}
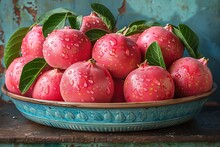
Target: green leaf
{"x":189,"y":39}
{"x":54,"y":22}
{"x":30,"y":73}
{"x":72,"y":20}
{"x":95,"y":34}
{"x":75,"y":22}
{"x":121,"y":30}
{"x":154,"y":55}
{"x":79,"y":20}
{"x":41,"y":20}
{"x":139,"y":26}
{"x":145,"y":22}
{"x":13,"y":46}
{"x":105,"y":14}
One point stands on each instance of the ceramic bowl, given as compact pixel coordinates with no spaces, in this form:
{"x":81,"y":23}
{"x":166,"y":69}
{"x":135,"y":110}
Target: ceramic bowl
{"x":110,"y":117}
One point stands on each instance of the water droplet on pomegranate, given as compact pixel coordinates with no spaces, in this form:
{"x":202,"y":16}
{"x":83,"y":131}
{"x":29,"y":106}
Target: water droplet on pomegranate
{"x":145,"y":89}
{"x":112,"y":52}
{"x":97,"y":21}
{"x":61,"y":39}
{"x":100,"y":42}
{"x":101,"y":53}
{"x":88,"y":25}
{"x":178,"y":75}
{"x":156,"y":82}
{"x":161,"y":39}
{"x":85,"y":84}
{"x":155,"y":35}
{"x":173,"y":40}
{"x":82,"y":100}
{"x":140,"y":94}
{"x":21,"y":61}
{"x":145,"y":45}
{"x":93,"y":22}
{"x":47,"y":89}
{"x":113,"y":42}
{"x":67,"y":39}
{"x":168,"y":42}
{"x":148,"y":80}
{"x":93,"y":99}
{"x":77,"y":87}
{"x":108,"y":91}
{"x":76,"y":44}
{"x":64,"y":56}
{"x":69,"y":72}
{"x":68,"y":47}
{"x":75,"y":35}
{"x":91,"y":81}
{"x":72,"y":82}
{"x":146,"y":36}
{"x":127,"y":53}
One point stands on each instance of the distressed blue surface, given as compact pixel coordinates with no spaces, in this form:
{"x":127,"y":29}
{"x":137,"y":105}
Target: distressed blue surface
{"x":202,"y":16}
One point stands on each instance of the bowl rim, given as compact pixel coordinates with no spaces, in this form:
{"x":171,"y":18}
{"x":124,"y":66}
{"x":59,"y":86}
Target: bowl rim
{"x":122,"y":105}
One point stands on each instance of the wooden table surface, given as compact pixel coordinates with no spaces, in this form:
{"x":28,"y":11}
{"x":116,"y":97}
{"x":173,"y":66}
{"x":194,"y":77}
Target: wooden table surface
{"x":14,"y":128}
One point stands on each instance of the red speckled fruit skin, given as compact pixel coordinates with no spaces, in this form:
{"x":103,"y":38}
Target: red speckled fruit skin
{"x":32,"y":43}
{"x":87,"y":82}
{"x":13,"y":74}
{"x":117,"y":53}
{"x":92,"y":21}
{"x":148,"y":83}
{"x":191,"y":76}
{"x":47,"y":86}
{"x":66,"y":46}
{"x":118,"y":92}
{"x":171,"y":46}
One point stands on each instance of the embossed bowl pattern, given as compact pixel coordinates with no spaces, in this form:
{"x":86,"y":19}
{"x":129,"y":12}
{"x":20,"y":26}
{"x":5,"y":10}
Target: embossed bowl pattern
{"x":110,"y":117}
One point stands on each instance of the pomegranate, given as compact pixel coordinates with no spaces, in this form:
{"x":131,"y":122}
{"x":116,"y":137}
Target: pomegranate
{"x":191,"y":76}
{"x":32,"y":43}
{"x":117,"y":53}
{"x":13,"y":74}
{"x":66,"y":46}
{"x":86,"y":82}
{"x":148,"y":83}
{"x":170,"y":44}
{"x":92,"y":21}
{"x":118,"y":92}
{"x":47,"y":86}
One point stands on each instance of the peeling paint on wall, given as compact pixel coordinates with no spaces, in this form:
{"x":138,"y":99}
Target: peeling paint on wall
{"x":31,"y":8}
{"x":17,"y":12}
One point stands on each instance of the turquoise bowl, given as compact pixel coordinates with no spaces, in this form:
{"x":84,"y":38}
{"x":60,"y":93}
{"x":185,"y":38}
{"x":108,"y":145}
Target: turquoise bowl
{"x":110,"y":117}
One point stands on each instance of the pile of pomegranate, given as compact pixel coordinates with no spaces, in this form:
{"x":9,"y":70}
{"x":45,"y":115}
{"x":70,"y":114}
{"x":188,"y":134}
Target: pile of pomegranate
{"x":113,"y":68}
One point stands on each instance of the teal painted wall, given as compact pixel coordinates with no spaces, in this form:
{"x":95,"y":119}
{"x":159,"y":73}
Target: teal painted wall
{"x":203,"y":16}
